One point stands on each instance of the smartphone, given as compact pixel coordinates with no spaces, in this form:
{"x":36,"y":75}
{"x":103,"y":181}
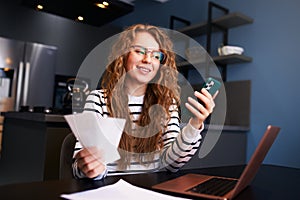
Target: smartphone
{"x":212,"y":85}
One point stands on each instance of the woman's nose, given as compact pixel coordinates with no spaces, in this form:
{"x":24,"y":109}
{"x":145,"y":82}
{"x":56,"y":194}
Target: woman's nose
{"x":147,"y":58}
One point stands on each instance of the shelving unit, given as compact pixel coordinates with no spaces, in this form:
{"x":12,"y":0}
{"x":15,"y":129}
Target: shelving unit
{"x":219,"y":60}
{"x":235,"y":95}
{"x":227,"y":21}
{"x":220,"y":24}
{"x":237,"y":92}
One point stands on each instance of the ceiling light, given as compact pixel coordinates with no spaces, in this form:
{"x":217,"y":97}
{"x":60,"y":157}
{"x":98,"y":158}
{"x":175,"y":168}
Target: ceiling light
{"x":87,"y":8}
{"x":8,"y":61}
{"x":100,"y":5}
{"x":80,"y":18}
{"x":105,"y":3}
{"x":39,"y":7}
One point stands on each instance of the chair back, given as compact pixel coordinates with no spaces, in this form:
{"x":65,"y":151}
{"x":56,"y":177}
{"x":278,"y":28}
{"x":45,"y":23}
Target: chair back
{"x":66,"y":157}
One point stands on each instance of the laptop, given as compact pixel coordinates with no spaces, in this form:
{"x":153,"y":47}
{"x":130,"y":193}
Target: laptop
{"x":216,"y":187}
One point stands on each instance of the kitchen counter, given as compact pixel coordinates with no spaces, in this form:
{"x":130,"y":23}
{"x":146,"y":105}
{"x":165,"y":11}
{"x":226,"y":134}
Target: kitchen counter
{"x":39,"y":117}
{"x":31,"y":144}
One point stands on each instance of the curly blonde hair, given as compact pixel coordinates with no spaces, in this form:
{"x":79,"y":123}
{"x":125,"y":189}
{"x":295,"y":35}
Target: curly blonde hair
{"x":163,"y":90}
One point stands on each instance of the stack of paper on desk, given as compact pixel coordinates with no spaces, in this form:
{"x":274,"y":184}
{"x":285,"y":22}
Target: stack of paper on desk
{"x":92,"y":130}
{"x":120,"y":190}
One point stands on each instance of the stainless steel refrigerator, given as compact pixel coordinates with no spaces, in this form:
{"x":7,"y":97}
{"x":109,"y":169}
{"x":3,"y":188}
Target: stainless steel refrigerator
{"x":27,"y":72}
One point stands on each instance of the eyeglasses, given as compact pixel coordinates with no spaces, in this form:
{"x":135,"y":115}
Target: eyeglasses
{"x":155,"y":55}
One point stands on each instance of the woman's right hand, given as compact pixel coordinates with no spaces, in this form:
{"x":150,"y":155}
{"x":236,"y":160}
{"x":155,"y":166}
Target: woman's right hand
{"x":89,"y":162}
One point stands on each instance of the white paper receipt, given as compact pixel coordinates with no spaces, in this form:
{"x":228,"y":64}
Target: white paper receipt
{"x":120,"y":190}
{"x":92,"y":130}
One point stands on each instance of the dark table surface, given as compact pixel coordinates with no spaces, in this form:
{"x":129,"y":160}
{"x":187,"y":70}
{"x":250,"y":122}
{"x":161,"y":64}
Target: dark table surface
{"x":271,"y":182}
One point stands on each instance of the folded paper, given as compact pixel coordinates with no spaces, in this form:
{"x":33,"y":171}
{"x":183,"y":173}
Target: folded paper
{"x":92,"y":130}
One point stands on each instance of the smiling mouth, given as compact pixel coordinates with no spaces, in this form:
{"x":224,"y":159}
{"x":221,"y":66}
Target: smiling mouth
{"x":143,"y":69}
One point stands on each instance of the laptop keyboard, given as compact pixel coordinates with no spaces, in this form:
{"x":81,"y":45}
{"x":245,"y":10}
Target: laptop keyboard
{"x":214,"y":186}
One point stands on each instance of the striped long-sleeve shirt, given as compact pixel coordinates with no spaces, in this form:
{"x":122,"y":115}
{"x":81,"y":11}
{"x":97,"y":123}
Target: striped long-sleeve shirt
{"x":178,"y":145}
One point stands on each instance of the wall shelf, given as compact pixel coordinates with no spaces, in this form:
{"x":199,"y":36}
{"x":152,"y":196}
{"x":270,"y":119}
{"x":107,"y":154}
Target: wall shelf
{"x":227,"y":21}
{"x":219,"y":60}
{"x":231,"y":59}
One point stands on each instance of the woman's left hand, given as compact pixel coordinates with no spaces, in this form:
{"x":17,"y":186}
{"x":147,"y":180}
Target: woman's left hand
{"x":200,"y":111}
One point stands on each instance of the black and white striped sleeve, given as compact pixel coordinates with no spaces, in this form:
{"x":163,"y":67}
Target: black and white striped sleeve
{"x":179,"y":145}
{"x":95,"y":102}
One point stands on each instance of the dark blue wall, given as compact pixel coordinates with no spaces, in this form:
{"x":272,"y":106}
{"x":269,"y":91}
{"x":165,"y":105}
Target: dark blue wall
{"x":273,"y":42}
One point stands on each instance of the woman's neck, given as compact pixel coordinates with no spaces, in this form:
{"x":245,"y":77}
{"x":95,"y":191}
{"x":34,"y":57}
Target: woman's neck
{"x":135,"y":89}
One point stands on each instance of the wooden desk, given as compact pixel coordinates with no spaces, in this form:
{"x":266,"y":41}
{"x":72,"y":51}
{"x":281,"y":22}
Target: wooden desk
{"x":271,"y":182}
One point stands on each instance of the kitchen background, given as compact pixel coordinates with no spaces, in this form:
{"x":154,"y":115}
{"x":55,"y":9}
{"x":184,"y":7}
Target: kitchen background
{"x":272,"y":41}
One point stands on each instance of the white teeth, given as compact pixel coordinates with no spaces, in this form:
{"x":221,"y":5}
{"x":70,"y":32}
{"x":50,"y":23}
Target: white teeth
{"x":144,"y":69}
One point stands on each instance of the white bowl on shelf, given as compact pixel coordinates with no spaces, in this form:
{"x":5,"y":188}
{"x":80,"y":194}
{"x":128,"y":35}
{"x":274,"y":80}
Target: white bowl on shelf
{"x":228,"y":50}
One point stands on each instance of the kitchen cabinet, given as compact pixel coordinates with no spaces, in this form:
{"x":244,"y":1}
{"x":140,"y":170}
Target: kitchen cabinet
{"x":31,"y":145}
{"x":230,"y":149}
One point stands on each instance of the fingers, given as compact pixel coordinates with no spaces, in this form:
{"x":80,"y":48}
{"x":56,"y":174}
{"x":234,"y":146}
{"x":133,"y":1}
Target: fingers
{"x":206,"y":99}
{"x":89,"y":161}
{"x":91,"y":151}
{"x":216,"y":94}
{"x":200,"y":110}
{"x":93,"y":169}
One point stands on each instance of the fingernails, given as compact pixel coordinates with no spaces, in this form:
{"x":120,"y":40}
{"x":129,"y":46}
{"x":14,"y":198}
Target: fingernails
{"x":196,"y":92}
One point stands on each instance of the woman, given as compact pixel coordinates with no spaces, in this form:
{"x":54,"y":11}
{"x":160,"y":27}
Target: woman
{"x":140,"y":85}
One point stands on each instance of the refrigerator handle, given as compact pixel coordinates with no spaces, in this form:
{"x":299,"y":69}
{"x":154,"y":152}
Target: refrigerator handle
{"x":26,"y":83}
{"x":19,"y":85}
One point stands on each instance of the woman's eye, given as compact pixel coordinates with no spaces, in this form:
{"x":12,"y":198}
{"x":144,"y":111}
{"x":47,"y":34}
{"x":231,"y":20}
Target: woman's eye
{"x":156,"y":55}
{"x":140,"y":51}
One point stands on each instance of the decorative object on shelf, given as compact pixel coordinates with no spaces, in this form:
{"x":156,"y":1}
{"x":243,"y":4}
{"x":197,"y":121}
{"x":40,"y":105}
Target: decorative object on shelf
{"x":228,"y":50}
